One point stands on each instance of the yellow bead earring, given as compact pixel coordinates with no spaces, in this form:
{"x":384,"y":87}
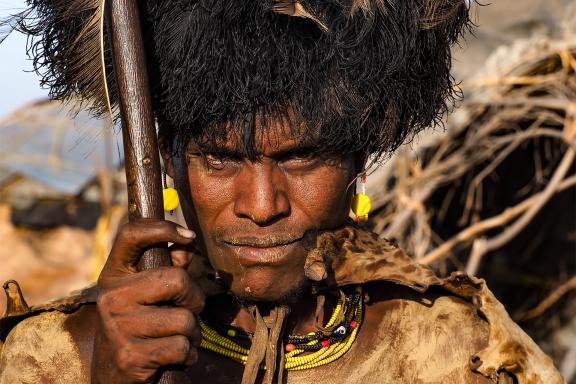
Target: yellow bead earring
{"x":170,"y":195}
{"x":361,"y":204}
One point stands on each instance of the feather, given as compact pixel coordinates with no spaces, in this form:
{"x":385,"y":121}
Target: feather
{"x":296,"y":9}
{"x":106,"y":94}
{"x":68,"y":49}
{"x":7,"y":26}
{"x":442,"y":14}
{"x":370,"y":7}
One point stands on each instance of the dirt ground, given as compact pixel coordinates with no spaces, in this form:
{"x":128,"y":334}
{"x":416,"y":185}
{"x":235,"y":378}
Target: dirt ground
{"x":47,"y":264}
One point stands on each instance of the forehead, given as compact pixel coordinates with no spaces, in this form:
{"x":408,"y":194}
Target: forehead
{"x":266,"y":137}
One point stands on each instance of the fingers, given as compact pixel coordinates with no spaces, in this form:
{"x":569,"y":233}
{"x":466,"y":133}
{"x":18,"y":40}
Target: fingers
{"x":157,"y":286}
{"x":142,"y":358}
{"x":170,"y":351}
{"x":146,"y":318}
{"x":163,"y":322}
{"x":133,"y":238}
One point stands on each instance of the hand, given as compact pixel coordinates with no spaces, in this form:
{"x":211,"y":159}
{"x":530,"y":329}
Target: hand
{"x":147,"y":319}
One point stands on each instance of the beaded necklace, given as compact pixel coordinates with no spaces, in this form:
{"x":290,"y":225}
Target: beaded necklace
{"x":302,"y":351}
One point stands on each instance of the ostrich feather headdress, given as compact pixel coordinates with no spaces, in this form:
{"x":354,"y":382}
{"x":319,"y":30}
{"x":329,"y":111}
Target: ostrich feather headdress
{"x":347,"y":75}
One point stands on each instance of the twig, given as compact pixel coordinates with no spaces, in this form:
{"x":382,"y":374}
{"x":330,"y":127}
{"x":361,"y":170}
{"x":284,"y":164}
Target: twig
{"x":542,"y":102}
{"x":549,"y":300}
{"x":484,"y":246}
{"x":511,"y":80}
{"x":479,"y":178}
{"x":493,"y":222}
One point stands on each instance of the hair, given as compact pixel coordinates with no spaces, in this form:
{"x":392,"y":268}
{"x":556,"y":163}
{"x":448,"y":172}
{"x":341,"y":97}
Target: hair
{"x":354,"y":76}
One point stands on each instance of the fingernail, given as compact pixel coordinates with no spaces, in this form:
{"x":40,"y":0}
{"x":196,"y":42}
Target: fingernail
{"x":185,"y":232}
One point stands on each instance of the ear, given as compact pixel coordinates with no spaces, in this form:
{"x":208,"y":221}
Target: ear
{"x":166,"y":152}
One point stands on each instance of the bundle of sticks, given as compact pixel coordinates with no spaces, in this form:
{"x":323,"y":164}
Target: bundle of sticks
{"x":506,"y":161}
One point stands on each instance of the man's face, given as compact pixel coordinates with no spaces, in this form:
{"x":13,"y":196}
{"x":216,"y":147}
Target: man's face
{"x":251,"y":215}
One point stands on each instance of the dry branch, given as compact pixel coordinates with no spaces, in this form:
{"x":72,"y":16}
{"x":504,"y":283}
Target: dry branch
{"x":504,"y":218}
{"x":549,"y":300}
{"x":482,"y":246}
{"x":532,"y":107}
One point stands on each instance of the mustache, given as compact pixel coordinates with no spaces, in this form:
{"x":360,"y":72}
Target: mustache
{"x":262,"y":241}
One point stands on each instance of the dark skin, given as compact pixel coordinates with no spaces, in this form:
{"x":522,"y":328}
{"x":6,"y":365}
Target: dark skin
{"x":249,"y":217}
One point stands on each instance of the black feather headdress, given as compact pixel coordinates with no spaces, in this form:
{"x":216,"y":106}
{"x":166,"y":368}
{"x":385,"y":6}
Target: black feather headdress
{"x":347,"y":75}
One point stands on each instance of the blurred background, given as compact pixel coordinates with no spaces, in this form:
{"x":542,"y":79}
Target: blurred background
{"x":493,"y":194}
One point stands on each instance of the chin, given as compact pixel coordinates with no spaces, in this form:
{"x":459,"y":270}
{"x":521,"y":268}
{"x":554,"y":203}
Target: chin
{"x":270,"y":289}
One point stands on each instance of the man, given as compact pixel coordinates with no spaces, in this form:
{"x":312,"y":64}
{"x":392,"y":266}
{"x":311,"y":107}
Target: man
{"x":268,"y":113}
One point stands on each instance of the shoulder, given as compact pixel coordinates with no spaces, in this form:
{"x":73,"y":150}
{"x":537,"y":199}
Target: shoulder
{"x":423,"y":337}
{"x":455,"y":330}
{"x":48,"y":347}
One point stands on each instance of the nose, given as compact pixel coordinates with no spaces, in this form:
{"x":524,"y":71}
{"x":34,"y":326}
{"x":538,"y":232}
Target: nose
{"x":261,"y":194}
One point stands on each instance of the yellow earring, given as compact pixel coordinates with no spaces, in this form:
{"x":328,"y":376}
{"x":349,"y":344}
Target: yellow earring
{"x":170,"y":195}
{"x":361,"y":204}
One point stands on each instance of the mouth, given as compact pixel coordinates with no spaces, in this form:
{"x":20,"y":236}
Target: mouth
{"x":262,"y":250}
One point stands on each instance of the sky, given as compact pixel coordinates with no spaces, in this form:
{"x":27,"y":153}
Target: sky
{"x":18,"y":83}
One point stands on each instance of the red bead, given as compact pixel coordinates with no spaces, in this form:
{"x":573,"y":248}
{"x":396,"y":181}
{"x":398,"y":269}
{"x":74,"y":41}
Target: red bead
{"x":290,"y":347}
{"x":325,"y":343}
{"x":353,"y":324}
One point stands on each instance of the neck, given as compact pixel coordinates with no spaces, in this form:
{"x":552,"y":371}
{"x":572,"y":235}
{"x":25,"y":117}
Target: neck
{"x":307,"y":314}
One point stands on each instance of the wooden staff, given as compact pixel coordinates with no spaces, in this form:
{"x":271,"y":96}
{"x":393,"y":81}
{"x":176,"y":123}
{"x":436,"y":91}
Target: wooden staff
{"x":142,"y":162}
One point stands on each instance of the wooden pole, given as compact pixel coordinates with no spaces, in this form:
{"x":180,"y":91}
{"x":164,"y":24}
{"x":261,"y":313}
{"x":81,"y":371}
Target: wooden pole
{"x":142,"y":162}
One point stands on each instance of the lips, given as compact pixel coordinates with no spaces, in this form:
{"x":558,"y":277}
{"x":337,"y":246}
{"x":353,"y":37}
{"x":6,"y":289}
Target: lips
{"x":262,"y":250}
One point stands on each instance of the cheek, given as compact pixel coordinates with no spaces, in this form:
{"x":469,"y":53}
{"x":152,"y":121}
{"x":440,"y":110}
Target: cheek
{"x":211,"y":199}
{"x":210,"y":195}
{"x":323,"y":197}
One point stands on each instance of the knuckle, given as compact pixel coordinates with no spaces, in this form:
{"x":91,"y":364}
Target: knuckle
{"x":125,"y":232}
{"x":158,"y":228}
{"x":180,"y":278}
{"x":125,"y":359}
{"x":141,"y":375}
{"x":167,"y":226}
{"x":182,"y":346}
{"x":105,"y":300}
{"x":188,"y":321}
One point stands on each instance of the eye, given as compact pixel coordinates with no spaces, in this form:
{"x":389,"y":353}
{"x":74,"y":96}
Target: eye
{"x":218,"y":162}
{"x":214,"y":161}
{"x":299,"y":161}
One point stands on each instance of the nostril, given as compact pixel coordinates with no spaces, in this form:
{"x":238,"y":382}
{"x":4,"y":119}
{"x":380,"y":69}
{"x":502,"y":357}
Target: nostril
{"x":261,"y":195}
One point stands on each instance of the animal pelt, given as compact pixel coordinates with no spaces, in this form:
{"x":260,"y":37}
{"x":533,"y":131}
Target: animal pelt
{"x":341,"y":75}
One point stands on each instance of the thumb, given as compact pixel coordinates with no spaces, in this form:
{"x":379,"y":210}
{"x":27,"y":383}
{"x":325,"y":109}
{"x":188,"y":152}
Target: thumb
{"x":181,"y":255}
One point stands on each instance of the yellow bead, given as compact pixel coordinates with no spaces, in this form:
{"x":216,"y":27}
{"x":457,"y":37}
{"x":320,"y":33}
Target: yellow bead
{"x":231,"y":332}
{"x":361,"y":205}
{"x":171,"y":200}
